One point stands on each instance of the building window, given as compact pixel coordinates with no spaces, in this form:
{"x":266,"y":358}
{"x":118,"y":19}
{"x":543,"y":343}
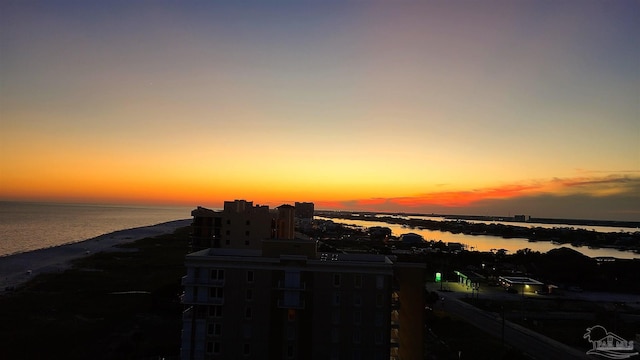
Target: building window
{"x":291,"y":315}
{"x":357,"y":299}
{"x":246,"y":331}
{"x":216,"y":293}
{"x":213,"y":347}
{"x":250,"y":276}
{"x":357,"y":317}
{"x":247,"y":313}
{"x":378,"y":337}
{"x":379,"y":300}
{"x":336,"y":279}
{"x":246,"y":233}
{"x":196,"y":273}
{"x":379,"y":282}
{"x":214,"y":329}
{"x":357,"y":354}
{"x":335,"y":335}
{"x":246,"y":349}
{"x":335,"y":353}
{"x":249,"y":295}
{"x":228,"y":222}
{"x":227,"y":242}
{"x":217,"y":274}
{"x":290,"y":351}
{"x":228,"y":232}
{"x":246,"y":242}
{"x":358,"y":281}
{"x":335,"y":317}
{"x":215,"y":311}
{"x":379,"y":319}
{"x":336,"y":298}
{"x":248,"y":223}
{"x":356,"y":336}
{"x":291,"y":332}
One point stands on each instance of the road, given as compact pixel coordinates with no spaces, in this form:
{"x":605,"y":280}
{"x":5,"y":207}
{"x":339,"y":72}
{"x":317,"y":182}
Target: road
{"x":535,"y":345}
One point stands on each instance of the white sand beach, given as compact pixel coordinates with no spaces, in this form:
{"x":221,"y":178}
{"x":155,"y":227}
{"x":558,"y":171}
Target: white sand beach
{"x":18,"y":268}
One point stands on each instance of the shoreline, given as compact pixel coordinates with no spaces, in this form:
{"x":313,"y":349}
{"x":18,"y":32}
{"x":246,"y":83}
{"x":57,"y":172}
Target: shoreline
{"x":17,"y":269}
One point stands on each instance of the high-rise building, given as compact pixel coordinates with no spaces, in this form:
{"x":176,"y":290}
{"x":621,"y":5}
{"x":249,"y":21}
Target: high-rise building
{"x":296,"y":305}
{"x":239,"y":225}
{"x":304,"y":210}
{"x":287,"y":301}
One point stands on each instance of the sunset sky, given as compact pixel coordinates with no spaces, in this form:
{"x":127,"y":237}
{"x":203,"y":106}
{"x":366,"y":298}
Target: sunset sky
{"x":473,"y":107}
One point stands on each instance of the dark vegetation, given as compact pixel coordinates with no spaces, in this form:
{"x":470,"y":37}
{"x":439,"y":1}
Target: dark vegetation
{"x":79,"y":314}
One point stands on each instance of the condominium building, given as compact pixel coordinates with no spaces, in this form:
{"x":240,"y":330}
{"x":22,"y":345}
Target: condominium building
{"x":304,"y":210}
{"x":239,"y":225}
{"x":285,"y":300}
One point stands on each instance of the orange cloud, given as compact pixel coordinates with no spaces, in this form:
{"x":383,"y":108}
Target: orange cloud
{"x":592,"y":186}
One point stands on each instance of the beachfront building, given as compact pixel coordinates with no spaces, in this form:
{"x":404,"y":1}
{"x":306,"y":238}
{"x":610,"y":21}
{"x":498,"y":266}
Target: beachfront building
{"x":239,"y":225}
{"x":304,"y":210}
{"x":287,"y":301}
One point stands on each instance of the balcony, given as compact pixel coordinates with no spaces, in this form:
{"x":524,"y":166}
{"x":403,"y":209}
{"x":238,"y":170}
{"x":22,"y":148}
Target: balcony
{"x":186,"y":281}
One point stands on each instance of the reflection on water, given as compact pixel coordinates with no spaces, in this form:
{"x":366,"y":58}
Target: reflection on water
{"x":486,"y":242}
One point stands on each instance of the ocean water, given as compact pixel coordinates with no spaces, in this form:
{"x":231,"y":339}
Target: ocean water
{"x":30,"y":226}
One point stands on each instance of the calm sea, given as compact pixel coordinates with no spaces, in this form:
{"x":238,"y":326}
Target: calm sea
{"x":31,"y":226}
